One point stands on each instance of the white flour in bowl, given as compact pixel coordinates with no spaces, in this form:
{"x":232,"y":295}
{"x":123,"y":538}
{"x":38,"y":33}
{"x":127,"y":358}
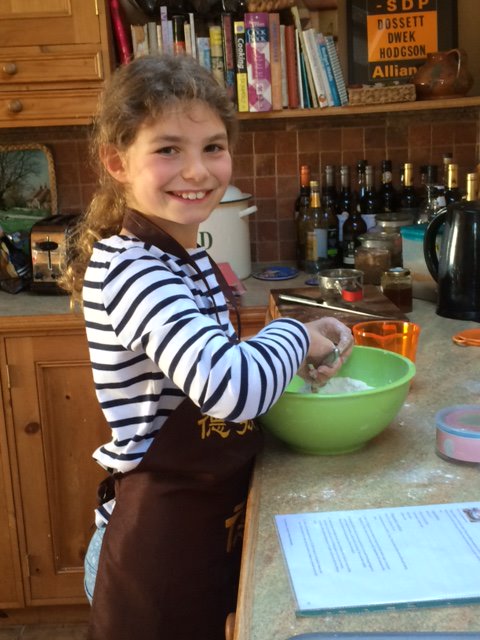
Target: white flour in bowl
{"x":337,"y":385}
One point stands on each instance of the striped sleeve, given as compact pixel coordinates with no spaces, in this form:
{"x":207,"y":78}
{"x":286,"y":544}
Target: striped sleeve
{"x":154,"y":313}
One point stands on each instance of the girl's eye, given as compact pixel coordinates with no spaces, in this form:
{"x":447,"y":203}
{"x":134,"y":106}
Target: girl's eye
{"x":214,"y":148}
{"x":166,"y":151}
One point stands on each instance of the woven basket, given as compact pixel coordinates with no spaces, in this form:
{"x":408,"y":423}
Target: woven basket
{"x":382,"y":95}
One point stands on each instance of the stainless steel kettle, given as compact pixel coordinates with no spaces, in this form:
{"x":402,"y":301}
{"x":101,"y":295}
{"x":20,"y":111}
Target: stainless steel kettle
{"x":457,"y":266}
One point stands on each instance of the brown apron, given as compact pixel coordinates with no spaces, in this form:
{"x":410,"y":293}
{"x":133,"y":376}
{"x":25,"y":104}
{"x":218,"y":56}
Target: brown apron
{"x":170,"y":557}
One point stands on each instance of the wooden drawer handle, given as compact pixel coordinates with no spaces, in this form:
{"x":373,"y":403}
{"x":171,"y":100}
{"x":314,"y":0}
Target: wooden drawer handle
{"x":15,"y":106}
{"x":32,"y":427}
{"x":10,"y":68}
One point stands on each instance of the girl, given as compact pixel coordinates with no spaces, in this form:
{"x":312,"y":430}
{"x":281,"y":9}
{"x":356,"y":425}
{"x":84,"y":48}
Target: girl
{"x":175,"y":384}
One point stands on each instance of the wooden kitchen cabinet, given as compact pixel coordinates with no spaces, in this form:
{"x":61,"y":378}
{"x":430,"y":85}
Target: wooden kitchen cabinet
{"x":52,"y":423}
{"x":54,"y":57}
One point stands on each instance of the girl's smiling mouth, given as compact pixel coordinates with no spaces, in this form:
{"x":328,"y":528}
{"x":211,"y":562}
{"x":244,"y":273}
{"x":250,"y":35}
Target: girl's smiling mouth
{"x":189,"y":195}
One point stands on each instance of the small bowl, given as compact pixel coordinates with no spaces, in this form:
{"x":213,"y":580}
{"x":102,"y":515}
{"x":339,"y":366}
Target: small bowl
{"x":333,"y":282}
{"x":340,"y":423}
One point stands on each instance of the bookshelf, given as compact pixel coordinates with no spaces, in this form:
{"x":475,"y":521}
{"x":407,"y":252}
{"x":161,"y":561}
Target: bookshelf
{"x":319,"y":16}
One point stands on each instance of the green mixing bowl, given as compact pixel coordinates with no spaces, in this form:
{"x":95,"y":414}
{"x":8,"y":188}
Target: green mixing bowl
{"x":340,"y":423}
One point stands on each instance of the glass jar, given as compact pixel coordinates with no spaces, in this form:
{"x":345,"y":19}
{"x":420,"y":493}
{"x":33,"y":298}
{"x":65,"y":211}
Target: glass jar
{"x":391,"y":240}
{"x":373,"y":261}
{"x":396,"y":285}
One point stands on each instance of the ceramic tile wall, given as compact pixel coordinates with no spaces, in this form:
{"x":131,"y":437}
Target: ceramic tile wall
{"x":269,"y":153}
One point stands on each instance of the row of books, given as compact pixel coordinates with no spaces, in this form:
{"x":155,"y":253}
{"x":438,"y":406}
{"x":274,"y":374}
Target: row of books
{"x":264,"y":64}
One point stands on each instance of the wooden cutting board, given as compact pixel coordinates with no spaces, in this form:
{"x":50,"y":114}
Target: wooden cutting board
{"x":373,"y":302}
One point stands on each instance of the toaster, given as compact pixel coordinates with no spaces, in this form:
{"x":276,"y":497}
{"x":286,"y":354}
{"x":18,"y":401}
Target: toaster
{"x":47,"y":248}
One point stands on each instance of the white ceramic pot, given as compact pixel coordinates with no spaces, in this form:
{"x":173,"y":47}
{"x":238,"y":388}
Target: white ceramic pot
{"x":226,"y":235}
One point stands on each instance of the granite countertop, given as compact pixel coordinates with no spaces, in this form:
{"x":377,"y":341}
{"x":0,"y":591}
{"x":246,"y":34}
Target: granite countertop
{"x":30,"y":304}
{"x":399,"y":467}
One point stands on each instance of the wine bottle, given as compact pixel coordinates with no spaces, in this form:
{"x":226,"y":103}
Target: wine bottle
{"x":387,"y":195}
{"x":369,"y":202}
{"x":452,"y":192}
{"x":353,"y":227}
{"x":408,"y":195}
{"x":301,"y":212}
{"x":360,"y":192}
{"x":322,"y":233}
{"x":345,"y":199}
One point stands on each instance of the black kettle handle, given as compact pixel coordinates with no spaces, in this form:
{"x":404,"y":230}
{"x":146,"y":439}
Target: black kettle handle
{"x":429,"y":242}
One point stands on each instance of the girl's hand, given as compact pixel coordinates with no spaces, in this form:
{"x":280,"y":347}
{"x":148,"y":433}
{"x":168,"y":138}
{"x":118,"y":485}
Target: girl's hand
{"x":331,"y":343}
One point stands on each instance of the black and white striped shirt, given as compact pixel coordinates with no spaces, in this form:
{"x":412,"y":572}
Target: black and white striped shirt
{"x":155,"y":334}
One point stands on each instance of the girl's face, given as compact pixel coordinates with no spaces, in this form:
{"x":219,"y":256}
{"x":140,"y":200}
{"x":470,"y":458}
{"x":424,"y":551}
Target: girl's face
{"x":177,"y":169}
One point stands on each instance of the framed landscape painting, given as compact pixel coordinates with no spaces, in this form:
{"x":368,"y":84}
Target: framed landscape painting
{"x":28,"y":189}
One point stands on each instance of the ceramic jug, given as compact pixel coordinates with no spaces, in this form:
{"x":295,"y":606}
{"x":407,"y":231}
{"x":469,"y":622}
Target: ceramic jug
{"x":457,"y":266}
{"x":444,"y":75}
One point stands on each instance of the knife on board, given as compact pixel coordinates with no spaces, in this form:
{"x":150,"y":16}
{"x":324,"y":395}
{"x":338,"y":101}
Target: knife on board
{"x":285,"y":297}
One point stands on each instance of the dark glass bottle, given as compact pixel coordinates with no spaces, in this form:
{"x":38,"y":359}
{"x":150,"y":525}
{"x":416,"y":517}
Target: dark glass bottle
{"x":447,"y":159}
{"x":322,"y":233}
{"x":330,"y":194}
{"x":369,"y":202}
{"x":452,"y":192}
{"x":301,"y":212}
{"x":387,"y":195}
{"x":345,"y":196}
{"x":408,"y":195}
{"x":353,"y":227}
{"x":361,"y":186}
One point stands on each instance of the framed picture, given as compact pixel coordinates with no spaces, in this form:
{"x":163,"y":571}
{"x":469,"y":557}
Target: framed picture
{"x":387,"y":40}
{"x":28,"y":190}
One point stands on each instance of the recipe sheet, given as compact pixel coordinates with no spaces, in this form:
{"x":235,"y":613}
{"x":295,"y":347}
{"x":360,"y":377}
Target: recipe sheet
{"x":382,"y":558}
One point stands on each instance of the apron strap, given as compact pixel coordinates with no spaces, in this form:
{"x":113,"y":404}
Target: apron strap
{"x":149,"y":232}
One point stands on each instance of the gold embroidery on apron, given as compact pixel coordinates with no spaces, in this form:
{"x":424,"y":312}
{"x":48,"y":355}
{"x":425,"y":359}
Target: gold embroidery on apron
{"x":217,"y":426}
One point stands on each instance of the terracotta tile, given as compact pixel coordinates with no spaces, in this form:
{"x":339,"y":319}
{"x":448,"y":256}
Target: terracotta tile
{"x":465,"y":132}
{"x":264,"y":164}
{"x":287,"y":164}
{"x":287,"y":249}
{"x":67,"y":174}
{"x":308,"y":141}
{"x":244,"y":143}
{"x":420,"y":135}
{"x":330,"y":139}
{"x":243,"y":165}
{"x":397,"y":136}
{"x":266,"y":210}
{"x":443,"y":134}
{"x":265,"y":187}
{"x":262,"y":142}
{"x":285,"y":209}
{"x":312,"y":159}
{"x":286,"y":230}
{"x":247,"y":185}
{"x":374,"y":137}
{"x":352,"y":138}
{"x":64,"y":152}
{"x":287,"y":187}
{"x":70,"y":197}
{"x":465,"y":155}
{"x":285,"y":142}
{"x":267,"y":251}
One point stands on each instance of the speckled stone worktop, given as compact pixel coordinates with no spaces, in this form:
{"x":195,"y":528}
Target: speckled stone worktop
{"x":399,"y":467}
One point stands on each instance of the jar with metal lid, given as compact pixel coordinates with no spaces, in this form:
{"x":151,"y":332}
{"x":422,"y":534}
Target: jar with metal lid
{"x":391,"y":240}
{"x":396,"y":285}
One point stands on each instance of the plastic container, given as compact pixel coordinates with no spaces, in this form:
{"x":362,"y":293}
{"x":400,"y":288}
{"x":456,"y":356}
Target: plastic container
{"x":398,"y":336}
{"x":458,"y":433}
{"x":424,"y":286}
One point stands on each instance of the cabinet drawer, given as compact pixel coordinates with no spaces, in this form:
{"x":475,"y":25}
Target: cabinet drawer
{"x":47,"y":108}
{"x":43,"y":68}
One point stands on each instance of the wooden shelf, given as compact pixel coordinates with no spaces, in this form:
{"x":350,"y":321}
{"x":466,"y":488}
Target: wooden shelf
{"x":396,"y":107}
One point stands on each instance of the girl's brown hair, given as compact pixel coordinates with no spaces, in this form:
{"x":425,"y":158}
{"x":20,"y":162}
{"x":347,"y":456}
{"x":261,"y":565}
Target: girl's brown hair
{"x":141,"y":90}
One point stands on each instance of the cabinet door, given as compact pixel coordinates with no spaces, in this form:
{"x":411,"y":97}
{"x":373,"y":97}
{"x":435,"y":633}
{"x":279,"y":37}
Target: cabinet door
{"x":48,"y":22}
{"x":11,"y":592}
{"x":57,"y":424}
